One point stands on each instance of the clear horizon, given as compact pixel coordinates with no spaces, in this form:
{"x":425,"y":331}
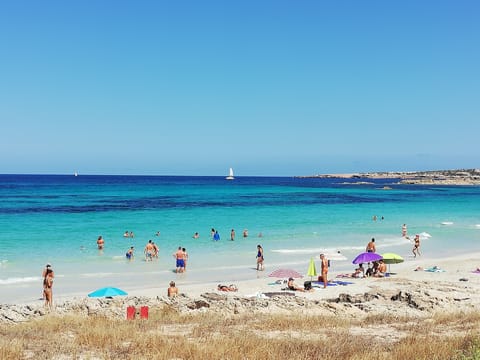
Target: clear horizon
{"x":236,"y":176}
{"x":270,"y":88}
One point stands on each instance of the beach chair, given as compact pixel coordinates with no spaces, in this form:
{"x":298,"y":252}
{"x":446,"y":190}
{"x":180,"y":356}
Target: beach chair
{"x":130,"y":312}
{"x":144,"y":312}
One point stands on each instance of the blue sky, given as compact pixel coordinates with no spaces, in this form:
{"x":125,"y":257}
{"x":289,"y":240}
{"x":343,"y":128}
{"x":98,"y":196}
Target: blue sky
{"x":267,"y":87}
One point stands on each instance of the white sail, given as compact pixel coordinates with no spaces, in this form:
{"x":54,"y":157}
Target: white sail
{"x":230,"y":175}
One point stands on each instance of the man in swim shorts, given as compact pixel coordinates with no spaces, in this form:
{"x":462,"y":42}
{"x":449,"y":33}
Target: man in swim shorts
{"x":129,"y":254}
{"x":149,"y":250}
{"x":180,"y":262}
{"x":371,"y":246}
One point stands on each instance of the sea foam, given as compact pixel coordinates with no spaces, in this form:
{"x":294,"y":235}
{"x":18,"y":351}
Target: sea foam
{"x":19,"y":280}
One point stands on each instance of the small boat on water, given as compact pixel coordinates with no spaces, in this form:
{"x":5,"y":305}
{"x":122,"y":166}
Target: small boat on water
{"x":230,"y":175}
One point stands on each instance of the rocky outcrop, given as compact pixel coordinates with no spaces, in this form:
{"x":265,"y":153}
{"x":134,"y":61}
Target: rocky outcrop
{"x":410,"y":298}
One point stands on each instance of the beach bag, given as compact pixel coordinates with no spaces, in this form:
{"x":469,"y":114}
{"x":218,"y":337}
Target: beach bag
{"x":307,"y":285}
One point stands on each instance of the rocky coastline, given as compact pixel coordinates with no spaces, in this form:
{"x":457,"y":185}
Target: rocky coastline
{"x":434,"y":177}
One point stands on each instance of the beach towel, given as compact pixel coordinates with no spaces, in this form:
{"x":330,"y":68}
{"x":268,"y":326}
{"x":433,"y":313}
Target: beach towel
{"x":434,"y":269}
{"x":318,"y":284}
{"x":344,"y":276}
{"x":342,"y":282}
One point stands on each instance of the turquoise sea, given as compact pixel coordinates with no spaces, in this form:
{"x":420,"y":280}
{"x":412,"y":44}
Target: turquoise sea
{"x":57,"y":219}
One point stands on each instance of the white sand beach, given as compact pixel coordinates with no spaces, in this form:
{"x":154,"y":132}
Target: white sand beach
{"x":405,"y":292}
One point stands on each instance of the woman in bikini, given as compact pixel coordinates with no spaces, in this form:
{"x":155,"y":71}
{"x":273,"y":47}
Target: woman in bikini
{"x":47,"y":288}
{"x":259,"y":257}
{"x":416,"y":246}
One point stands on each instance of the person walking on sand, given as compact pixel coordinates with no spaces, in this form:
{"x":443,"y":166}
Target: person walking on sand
{"x":324,"y":270}
{"x":260,"y":258}
{"x":47,"y":288}
{"x":100,"y":242}
{"x":371,"y":246}
{"x":416,"y":246}
{"x":232,"y":235}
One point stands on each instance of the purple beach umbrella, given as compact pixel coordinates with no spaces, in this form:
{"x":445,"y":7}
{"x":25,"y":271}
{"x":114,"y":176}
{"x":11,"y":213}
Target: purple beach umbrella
{"x":366,"y":257}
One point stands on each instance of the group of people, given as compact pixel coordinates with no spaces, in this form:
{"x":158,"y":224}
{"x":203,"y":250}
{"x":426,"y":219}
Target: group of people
{"x":374,"y":269}
{"x":416,"y":243}
{"x":151,"y":251}
{"x":216,"y":236}
{"x":128,"y":234}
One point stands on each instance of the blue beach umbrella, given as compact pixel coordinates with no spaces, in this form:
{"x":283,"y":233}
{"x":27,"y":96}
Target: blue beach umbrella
{"x":107,"y":292}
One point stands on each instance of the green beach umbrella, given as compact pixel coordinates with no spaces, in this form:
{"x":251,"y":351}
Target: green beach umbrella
{"x":312,"y":270}
{"x":391,"y":258}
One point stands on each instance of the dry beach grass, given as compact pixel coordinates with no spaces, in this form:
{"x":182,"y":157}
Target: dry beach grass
{"x":168,"y":334}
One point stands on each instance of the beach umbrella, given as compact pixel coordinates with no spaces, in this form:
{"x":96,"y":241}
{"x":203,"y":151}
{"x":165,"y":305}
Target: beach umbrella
{"x":107,"y":292}
{"x":312,"y":270}
{"x":391,"y":258}
{"x":366,"y":257}
{"x":286,"y":273}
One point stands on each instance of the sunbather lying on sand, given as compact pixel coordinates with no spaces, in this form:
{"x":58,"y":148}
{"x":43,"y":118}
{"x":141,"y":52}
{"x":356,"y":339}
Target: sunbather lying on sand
{"x":230,"y":287}
{"x":291,"y":286}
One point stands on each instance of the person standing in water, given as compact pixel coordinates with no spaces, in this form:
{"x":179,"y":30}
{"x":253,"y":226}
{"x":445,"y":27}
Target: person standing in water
{"x":129,"y":254}
{"x":371,"y":246}
{"x":185,"y":258}
{"x":232,"y":235}
{"x":100,"y":242}
{"x":179,"y":260}
{"x":260,"y":258}
{"x":416,"y":246}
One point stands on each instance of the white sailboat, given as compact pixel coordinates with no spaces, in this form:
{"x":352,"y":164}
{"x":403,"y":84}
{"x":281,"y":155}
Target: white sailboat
{"x":230,"y":175}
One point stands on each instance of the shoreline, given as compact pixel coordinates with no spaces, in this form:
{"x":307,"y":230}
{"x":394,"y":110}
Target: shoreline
{"x":405,"y":293}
